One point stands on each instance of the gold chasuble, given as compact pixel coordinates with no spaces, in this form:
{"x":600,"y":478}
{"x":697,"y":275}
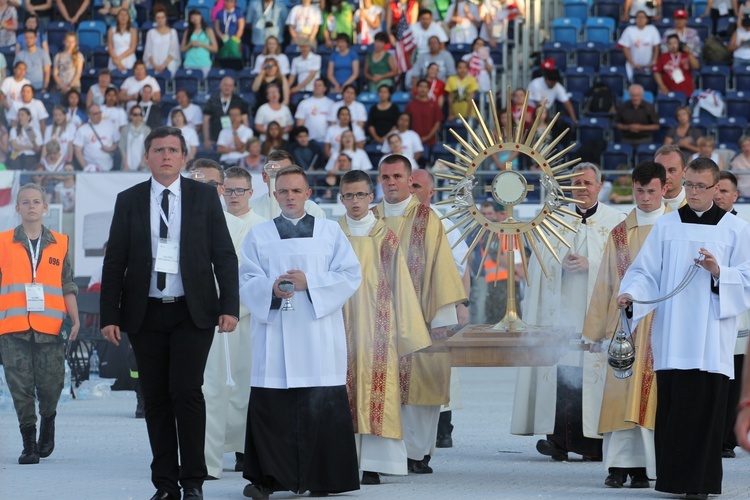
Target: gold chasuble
{"x":383,"y":323}
{"x":425,"y":376}
{"x":632,"y":401}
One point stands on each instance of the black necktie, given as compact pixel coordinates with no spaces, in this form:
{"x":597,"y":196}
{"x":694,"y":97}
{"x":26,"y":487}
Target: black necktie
{"x":161,"y":278}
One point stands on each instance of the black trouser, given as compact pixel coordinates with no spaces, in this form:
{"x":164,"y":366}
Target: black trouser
{"x":733,"y":399}
{"x":171,"y":353}
{"x":568,"y":433}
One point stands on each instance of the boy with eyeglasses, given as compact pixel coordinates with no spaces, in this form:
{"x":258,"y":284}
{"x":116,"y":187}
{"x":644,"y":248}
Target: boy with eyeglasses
{"x":238,"y":189}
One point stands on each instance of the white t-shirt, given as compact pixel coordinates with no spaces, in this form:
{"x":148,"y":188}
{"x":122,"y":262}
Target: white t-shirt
{"x":29,"y":136}
{"x":281,"y":59}
{"x":64,"y":137}
{"x":93,"y":154}
{"x":226,"y":139}
{"x":193,"y":114}
{"x":316,"y":112}
{"x":302,"y":68}
{"x":367,"y":32}
{"x":422,"y":36}
{"x":638,"y":5}
{"x":304,"y":19}
{"x":464,"y":31}
{"x":538,"y":91}
{"x":360,"y":160}
{"x":356,"y":109}
{"x":266,"y":115}
{"x":132,"y":86}
{"x":333,"y":136}
{"x":12,"y":89}
{"x":115,"y":115}
{"x":411,"y":143}
{"x":640,"y":42}
{"x":35,"y":107}
{"x":191,"y":136}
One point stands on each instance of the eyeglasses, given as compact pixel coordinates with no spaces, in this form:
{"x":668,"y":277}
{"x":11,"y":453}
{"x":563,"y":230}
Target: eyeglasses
{"x":698,"y":187}
{"x":350,"y":196}
{"x":238,"y":191}
{"x":213,"y":183}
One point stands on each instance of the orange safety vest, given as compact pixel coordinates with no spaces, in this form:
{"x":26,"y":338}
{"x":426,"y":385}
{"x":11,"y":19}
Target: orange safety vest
{"x":492,"y":272}
{"x":16,"y":272}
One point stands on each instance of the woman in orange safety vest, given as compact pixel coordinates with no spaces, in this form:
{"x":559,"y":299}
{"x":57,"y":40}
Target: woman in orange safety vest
{"x":36,"y":293}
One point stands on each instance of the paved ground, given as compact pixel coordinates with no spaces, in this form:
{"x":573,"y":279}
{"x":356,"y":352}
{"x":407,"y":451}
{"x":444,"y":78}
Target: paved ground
{"x":102,"y":452}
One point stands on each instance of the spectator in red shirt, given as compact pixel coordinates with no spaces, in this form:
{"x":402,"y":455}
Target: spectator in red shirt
{"x":674,"y":70}
{"x":426,"y":116}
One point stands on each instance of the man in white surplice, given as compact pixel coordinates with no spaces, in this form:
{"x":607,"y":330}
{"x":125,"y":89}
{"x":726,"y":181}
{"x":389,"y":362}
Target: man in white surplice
{"x":299,"y":429}
{"x":554,"y":400}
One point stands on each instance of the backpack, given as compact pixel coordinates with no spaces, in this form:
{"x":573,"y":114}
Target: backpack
{"x":715,"y":52}
{"x":600,"y":99}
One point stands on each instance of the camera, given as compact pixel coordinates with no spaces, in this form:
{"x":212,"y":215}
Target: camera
{"x":269,"y":24}
{"x":651,"y":4}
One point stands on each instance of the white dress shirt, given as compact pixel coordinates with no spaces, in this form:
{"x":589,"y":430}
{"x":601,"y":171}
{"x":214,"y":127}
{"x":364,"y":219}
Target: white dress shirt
{"x":174,"y":281}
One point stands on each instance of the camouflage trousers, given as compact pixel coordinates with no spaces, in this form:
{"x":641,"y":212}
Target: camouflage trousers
{"x":34,"y":369}
{"x":497,"y":301}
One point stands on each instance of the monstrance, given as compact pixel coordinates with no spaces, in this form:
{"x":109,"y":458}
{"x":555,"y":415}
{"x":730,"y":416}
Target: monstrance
{"x":510,"y":188}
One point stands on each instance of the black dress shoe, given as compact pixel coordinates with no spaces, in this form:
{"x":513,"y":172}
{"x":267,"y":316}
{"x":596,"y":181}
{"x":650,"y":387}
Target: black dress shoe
{"x":728,"y":453}
{"x":192,"y":494}
{"x":696,"y":496}
{"x":551,"y":449}
{"x":418,"y":466}
{"x":210,"y":478}
{"x":164,"y":495}
{"x":239,"y":462}
{"x":256,"y":492}
{"x":318,"y":493}
{"x":370,"y":477}
{"x":616,"y":479}
{"x":639,"y":482}
{"x":444,"y":441}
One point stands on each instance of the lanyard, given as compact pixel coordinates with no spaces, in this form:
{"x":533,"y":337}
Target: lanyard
{"x":228,"y":16}
{"x":675,"y":60}
{"x":225,"y":107}
{"x":172,"y":209}
{"x":146,"y":111}
{"x":268,"y":10}
{"x":34,"y":256}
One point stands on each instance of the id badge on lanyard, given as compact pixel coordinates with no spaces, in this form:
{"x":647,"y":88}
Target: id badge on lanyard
{"x":226,"y":123}
{"x":168,"y":249}
{"x":34,"y":290}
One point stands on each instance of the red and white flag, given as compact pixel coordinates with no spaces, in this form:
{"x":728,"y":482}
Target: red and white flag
{"x":404,"y":45}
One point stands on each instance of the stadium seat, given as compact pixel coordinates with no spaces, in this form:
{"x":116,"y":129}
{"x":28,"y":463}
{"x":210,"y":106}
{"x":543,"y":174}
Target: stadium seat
{"x":664,"y":24}
{"x":647,"y":96}
{"x":616,"y":57}
{"x":162,"y":79}
{"x":739,"y":102}
{"x":180,"y":26}
{"x":251,"y":100}
{"x":203,"y":6}
{"x":168,"y":101}
{"x":144,"y":29}
{"x":730,"y":129}
{"x":723,"y":25}
{"x":566,"y":29}
{"x":665,"y":123}
{"x":143,"y":11}
{"x":56,"y":32}
{"x":646,"y":152}
{"x":92,"y":34}
{"x":703,"y":123}
{"x":119,"y":76}
{"x":458,"y":50}
{"x":369,"y":99}
{"x":401,"y":99}
{"x":715,"y":78}
{"x":558,"y":51}
{"x":49,"y":99}
{"x":600,"y":29}
{"x":578,"y":79}
{"x":742,"y":78}
{"x":590,"y":54}
{"x":576,"y":100}
{"x":374,"y":153}
{"x":89,"y":77}
{"x":245,"y":80}
{"x":298,"y":97}
{"x":215,"y":76}
{"x":291,"y":51}
{"x":699,"y":7}
{"x":592,"y":129}
{"x":608,"y":8}
{"x":616,"y":154}
{"x":615,"y":77}
{"x":100,"y":57}
{"x":189,"y":79}
{"x":667,"y":104}
{"x":668,"y":8}
{"x":732,"y":146}
{"x":702,"y":26}
{"x":576,"y":8}
{"x":10,"y":56}
{"x":646,"y":80}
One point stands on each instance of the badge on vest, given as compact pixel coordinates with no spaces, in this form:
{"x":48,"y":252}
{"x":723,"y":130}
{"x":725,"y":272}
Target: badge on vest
{"x":167,"y":256}
{"x":34,"y":297}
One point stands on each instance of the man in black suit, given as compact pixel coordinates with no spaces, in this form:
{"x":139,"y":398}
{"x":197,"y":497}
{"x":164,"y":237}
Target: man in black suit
{"x":168,"y":239}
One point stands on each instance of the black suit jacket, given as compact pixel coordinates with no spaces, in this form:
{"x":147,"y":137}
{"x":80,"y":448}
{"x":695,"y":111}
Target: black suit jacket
{"x":206,"y":250}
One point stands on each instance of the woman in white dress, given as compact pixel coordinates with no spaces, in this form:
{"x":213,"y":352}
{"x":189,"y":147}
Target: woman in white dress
{"x":191,"y":137}
{"x":25,"y":142}
{"x":162,"y":49}
{"x":62,"y":132}
{"x":122,"y":39}
{"x":132,"y":141}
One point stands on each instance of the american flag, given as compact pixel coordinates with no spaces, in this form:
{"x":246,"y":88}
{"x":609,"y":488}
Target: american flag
{"x":404,"y":45}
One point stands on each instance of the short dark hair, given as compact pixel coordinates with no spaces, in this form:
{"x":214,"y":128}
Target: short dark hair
{"x":673,"y":35}
{"x":239,"y":173}
{"x":162,"y":132}
{"x":206,"y":163}
{"x":382,"y":37}
{"x":702,"y":164}
{"x":292,"y":170}
{"x":350,"y":86}
{"x":353,"y":176}
{"x":110,"y":89}
{"x":278,"y":155}
{"x":672,"y":148}
{"x":183,"y":90}
{"x":237,"y":107}
{"x":730,"y":177}
{"x":35,"y":32}
{"x":297,"y":131}
{"x":345,"y":37}
{"x":387,"y":87}
{"x":423,"y":12}
{"x":393,"y":159}
{"x":648,"y":170}
{"x":139,"y":63}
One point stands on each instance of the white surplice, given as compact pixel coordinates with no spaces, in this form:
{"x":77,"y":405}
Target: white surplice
{"x":304,"y":347}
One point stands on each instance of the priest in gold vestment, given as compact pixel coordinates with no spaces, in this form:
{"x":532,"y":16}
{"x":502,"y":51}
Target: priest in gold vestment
{"x":424,"y":376}
{"x":628,"y":406}
{"x":383,"y":322}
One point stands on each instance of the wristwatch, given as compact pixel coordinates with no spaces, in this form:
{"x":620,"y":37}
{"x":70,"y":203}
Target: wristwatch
{"x":466,"y":303}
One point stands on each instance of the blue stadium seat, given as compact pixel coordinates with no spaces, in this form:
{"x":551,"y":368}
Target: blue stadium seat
{"x":401,"y":99}
{"x":100,"y":57}
{"x":616,"y":56}
{"x":56,"y":31}
{"x":608,"y":8}
{"x":566,"y":29}
{"x":251,"y":100}
{"x":665,"y":123}
{"x":646,"y":152}
{"x":664,"y":24}
{"x":189,"y":79}
{"x":723,"y":26}
{"x":590,"y":54}
{"x":458,"y":50}
{"x":701,"y":25}
{"x":730,"y":129}
{"x":576,"y":8}
{"x":558,"y":51}
{"x":162,"y":79}
{"x":215,"y":75}
{"x":49,"y":99}
{"x":646,"y":80}
{"x":703,"y":123}
{"x":578,"y":79}
{"x":144,"y":28}
{"x":143,"y":11}
{"x":715,"y":78}
{"x":667,"y":104}
{"x":375,"y":153}
{"x":699,"y":7}
{"x":732,"y":146}
{"x":592,"y":129}
{"x":600,"y":29}
{"x":616,"y":154}
{"x":647,"y":96}
{"x":168,"y":101}
{"x":369,"y":99}
{"x":458,"y":126}
{"x":92,"y":34}
{"x":291,"y":51}
{"x":298,"y":98}
{"x":741,"y":78}
{"x":668,"y":8}
{"x":576,"y":100}
{"x":739,"y":102}
{"x":203,"y":6}
{"x":245,"y":80}
{"x":180,"y":26}
{"x":89,"y":77}
{"x":615,"y":77}
{"x":10,"y":55}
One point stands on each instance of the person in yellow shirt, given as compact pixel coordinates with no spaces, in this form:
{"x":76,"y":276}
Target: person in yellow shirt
{"x":461,"y":89}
